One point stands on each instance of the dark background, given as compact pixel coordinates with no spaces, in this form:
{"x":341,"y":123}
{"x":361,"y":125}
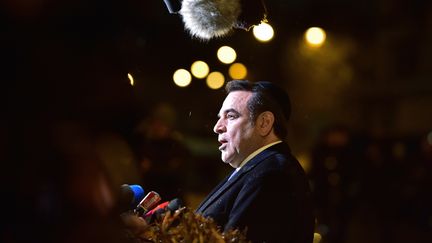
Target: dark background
{"x":71,"y":119}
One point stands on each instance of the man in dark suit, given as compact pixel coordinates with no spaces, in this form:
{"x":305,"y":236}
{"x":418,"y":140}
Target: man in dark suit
{"x":268,"y":192}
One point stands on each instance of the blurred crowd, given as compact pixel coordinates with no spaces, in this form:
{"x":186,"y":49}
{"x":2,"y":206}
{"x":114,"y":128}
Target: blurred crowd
{"x":372,"y":189}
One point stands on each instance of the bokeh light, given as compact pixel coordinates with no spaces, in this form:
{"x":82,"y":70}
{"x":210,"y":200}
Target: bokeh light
{"x":315,"y":36}
{"x":131,"y":80}
{"x":263,"y":32}
{"x":215,"y":80}
{"x":237,"y":71}
{"x":429,"y":138}
{"x":226,"y":54}
{"x":182,"y":77}
{"x":200,"y":69}
{"x":333,"y":179}
{"x":305,"y":161}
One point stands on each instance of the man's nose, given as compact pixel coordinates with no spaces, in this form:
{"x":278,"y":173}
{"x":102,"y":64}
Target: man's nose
{"x":219,"y":127}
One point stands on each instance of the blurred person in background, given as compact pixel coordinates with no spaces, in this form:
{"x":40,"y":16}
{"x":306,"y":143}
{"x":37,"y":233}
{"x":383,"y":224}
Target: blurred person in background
{"x":61,"y":188}
{"x":162,"y":157}
{"x":336,"y":180}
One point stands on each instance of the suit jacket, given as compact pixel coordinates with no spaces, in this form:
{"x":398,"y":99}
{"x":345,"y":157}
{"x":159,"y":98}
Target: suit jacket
{"x":269,"y":196}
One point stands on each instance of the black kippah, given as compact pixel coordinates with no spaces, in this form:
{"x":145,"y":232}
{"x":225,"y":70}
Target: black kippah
{"x":280,"y":96}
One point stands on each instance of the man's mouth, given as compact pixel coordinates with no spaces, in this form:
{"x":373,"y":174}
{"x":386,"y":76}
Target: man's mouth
{"x":223,"y":144}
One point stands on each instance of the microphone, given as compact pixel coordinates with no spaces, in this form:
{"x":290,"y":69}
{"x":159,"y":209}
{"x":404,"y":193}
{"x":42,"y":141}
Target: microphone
{"x":151,"y":215}
{"x":162,"y":208}
{"x":173,"y":6}
{"x":148,"y":202}
{"x":175,"y":204}
{"x":129,"y":197}
{"x":206,"y":19}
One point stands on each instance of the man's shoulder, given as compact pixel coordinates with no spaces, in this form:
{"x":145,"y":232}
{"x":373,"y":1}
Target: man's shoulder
{"x":278,"y":155}
{"x":276,"y":160}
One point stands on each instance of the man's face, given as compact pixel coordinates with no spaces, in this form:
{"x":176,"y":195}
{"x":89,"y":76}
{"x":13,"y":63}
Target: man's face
{"x":237,"y":134}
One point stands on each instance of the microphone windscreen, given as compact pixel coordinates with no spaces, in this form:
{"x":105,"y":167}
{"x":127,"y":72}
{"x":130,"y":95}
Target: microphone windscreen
{"x":206,"y":19}
{"x":130,"y":196}
{"x":138,"y":192}
{"x":174,"y":204}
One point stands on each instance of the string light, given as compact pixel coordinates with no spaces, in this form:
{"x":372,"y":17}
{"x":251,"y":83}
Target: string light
{"x":182,"y":77}
{"x":263,"y":32}
{"x":315,"y":36}
{"x":226,"y":54}
{"x":215,"y":80}
{"x":237,"y":71}
{"x":200,"y":69}
{"x":131,"y":80}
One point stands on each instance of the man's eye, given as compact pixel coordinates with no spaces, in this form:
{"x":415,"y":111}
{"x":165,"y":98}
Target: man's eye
{"x":231,"y":116}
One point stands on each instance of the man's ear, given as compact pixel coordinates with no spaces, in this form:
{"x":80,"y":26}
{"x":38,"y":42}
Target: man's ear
{"x":265,"y":123}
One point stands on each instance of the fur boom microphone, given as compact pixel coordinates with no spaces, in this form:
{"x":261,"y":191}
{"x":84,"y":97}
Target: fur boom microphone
{"x":207,"y":19}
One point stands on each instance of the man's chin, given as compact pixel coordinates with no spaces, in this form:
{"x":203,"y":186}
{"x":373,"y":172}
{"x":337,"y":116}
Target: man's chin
{"x":232,"y":163}
{"x":225,"y":160}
